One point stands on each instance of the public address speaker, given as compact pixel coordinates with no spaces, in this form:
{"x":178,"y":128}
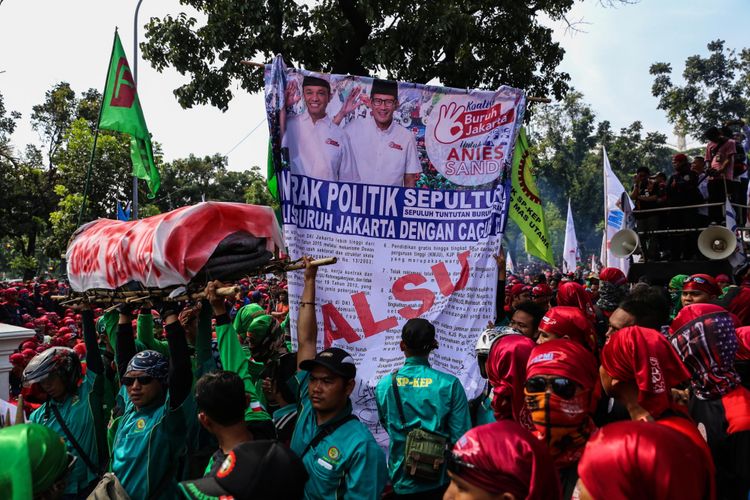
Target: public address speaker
{"x":717,"y":242}
{"x":624,"y":243}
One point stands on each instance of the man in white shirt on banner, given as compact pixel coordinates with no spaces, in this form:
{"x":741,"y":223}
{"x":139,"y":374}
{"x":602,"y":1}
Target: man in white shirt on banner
{"x":385,"y":152}
{"x":317,"y":147}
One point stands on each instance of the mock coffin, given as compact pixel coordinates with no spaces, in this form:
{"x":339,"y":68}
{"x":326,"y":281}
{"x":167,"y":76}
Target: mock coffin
{"x":211,"y":240}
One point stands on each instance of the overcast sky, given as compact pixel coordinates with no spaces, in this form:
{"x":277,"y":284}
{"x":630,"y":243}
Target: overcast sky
{"x":43,"y":42}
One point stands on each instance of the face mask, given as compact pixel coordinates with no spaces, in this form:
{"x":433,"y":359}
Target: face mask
{"x":564,"y":424}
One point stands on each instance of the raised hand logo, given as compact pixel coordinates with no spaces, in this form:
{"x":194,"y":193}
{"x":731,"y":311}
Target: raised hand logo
{"x":449,"y":128}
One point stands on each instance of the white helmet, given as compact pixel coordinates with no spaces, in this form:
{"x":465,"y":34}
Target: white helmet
{"x":489,"y":336}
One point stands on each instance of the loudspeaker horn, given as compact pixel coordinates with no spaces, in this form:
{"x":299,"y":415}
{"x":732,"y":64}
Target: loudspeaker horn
{"x":624,"y":243}
{"x":717,"y":242}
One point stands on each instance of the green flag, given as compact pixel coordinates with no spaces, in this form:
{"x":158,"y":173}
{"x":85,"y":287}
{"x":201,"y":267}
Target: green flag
{"x":121,"y":111}
{"x":526,"y":205}
{"x":271,"y":180}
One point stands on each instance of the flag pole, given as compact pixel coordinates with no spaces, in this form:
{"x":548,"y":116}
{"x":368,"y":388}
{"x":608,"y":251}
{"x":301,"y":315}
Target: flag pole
{"x":96,"y":137}
{"x":135,"y":82}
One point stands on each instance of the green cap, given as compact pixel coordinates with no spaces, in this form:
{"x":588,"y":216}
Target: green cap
{"x":676,"y":282}
{"x":245,"y":316}
{"x":107,"y":324}
{"x":38,"y":458}
{"x":261,"y":327}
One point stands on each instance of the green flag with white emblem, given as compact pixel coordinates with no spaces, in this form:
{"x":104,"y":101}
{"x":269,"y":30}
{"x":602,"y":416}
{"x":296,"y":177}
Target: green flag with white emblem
{"x":121,"y":111}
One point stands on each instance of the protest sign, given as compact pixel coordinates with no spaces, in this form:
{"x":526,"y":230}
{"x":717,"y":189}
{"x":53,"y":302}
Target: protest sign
{"x":408,"y":186}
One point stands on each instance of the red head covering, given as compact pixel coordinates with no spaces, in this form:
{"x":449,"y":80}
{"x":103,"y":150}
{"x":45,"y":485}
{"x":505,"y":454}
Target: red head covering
{"x":703,"y":283}
{"x":541,"y":290}
{"x":564,"y":358}
{"x":570,"y":321}
{"x":507,"y":459}
{"x":506,"y":371}
{"x":644,"y":356}
{"x":17,"y":359}
{"x":740,"y":306}
{"x":627,"y":460}
{"x":723,"y":278}
{"x":680,"y":157}
{"x":573,"y":294}
{"x":613,"y":275}
{"x":518,"y":289}
{"x":80,"y":349}
{"x":704,"y":337}
{"x":743,"y":336}
{"x":29,"y":353}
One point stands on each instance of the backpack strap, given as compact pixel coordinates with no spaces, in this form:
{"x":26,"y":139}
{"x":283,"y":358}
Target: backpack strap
{"x":82,"y":454}
{"x":400,"y":406}
{"x":327,"y":430}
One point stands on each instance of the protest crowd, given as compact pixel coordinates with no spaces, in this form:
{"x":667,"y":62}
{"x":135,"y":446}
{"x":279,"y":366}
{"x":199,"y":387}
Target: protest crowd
{"x":592,"y":387}
{"x":595,"y":389}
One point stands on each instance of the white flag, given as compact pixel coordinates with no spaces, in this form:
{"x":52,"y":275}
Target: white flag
{"x":571,"y":244}
{"x":738,"y":257}
{"x":509,"y":263}
{"x":593,"y":264}
{"x":614,"y":214}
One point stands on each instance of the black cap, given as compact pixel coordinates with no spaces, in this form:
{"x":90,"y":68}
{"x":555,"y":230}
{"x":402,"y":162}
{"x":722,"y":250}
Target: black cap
{"x":314,"y":81}
{"x":337,"y":360}
{"x":419,"y":334}
{"x":384,"y":87}
{"x":256,"y":470}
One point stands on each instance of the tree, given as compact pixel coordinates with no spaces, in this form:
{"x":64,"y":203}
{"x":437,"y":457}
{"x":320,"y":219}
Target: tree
{"x":716,"y":89}
{"x":568,"y":142}
{"x":190,"y":180}
{"x":482,"y":43}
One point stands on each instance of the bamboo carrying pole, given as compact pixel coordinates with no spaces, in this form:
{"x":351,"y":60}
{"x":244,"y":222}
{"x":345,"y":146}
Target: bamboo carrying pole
{"x":133,"y":296}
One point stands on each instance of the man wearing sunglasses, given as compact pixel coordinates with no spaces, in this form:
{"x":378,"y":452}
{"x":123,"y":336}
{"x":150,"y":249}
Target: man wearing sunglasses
{"x":159,"y":410}
{"x":385,"y":151}
{"x":699,"y":289}
{"x":562,"y":389}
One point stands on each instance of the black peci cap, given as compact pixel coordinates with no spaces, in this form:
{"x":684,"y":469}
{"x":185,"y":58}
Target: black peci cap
{"x":337,"y":360}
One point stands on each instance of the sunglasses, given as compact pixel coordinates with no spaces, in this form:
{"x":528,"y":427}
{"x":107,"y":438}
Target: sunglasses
{"x":561,"y":386}
{"x":458,"y":466}
{"x":142,"y":380}
{"x":695,"y":279}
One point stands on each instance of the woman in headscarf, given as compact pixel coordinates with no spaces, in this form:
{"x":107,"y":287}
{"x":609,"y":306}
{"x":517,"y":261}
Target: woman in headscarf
{"x":613,"y":287}
{"x":562,"y":391}
{"x":506,"y":371}
{"x":501,"y":460}
{"x":628,"y":460}
{"x":675,"y":293}
{"x":705,"y":338}
{"x":567,"y":322}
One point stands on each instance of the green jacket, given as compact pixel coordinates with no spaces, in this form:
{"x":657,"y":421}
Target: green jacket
{"x":432,"y":400}
{"x":234,"y":359}
{"x":347,"y":463}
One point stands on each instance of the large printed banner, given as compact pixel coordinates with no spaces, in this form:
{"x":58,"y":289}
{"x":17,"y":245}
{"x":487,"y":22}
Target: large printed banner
{"x":408,"y":186}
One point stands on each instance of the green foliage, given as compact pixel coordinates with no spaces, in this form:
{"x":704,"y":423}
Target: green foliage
{"x":567,"y":142}
{"x":716,"y":89}
{"x":189,"y":180}
{"x":25,"y":264}
{"x":482,"y":43}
